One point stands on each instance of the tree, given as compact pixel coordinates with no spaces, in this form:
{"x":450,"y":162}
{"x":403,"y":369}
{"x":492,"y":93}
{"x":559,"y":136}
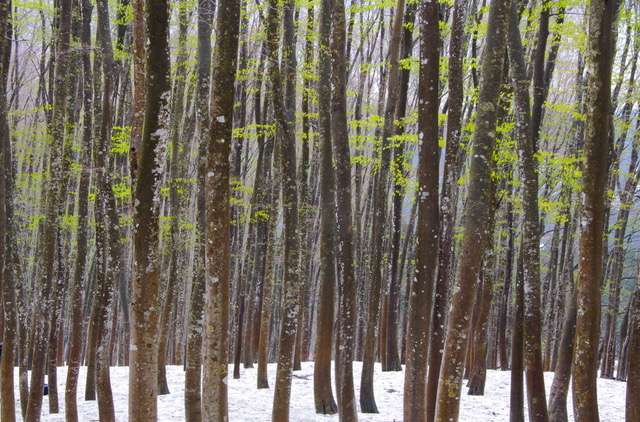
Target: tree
{"x":428,"y":217}
{"x":7,"y":273}
{"x":323,"y":396}
{"x":367,"y":399}
{"x":633,"y":383}
{"x":531,"y":231}
{"x":143,"y":354}
{"x":54,"y":199}
{"x":596,"y":140}
{"x":476,"y":216}
{"x":286,"y":126}
{"x":193,"y":370}
{"x":216,"y":341}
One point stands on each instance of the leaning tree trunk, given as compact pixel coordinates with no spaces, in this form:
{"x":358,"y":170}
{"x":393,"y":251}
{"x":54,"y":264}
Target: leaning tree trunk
{"x":476,"y":215}
{"x":562,"y":373}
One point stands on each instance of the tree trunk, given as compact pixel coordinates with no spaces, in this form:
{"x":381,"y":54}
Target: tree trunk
{"x":476,"y":216}
{"x":367,"y":399}
{"x":421,"y":286}
{"x":633,"y":382}
{"x":531,"y":225}
{"x":57,"y":169}
{"x":217,"y":192}
{"x":448,"y":204}
{"x":323,"y":396}
{"x":346,"y":273}
{"x":516,"y":401}
{"x":596,"y":139}
{"x":193,"y":362}
{"x":143,"y":353}
{"x":7,"y":270}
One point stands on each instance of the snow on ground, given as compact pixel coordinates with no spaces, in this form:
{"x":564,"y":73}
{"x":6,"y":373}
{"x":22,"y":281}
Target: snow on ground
{"x":247,"y":403}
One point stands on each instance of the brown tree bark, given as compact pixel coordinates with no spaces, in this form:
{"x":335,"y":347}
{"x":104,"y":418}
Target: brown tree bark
{"x":632,"y":413}
{"x":193,"y":358}
{"x":143,"y":353}
{"x":428,"y":216}
{"x":286,"y":128}
{"x":57,"y":169}
{"x":476,"y":215}
{"x":174,"y":206}
{"x":218,"y":215}
{"x":516,"y":398}
{"x":448,"y":203}
{"x":347,"y":285}
{"x":75,"y":291}
{"x":7,"y":270}
{"x":380,"y":193}
{"x":562,"y":373}
{"x":323,"y":396}
{"x":596,"y":140}
{"x":391,"y":358}
{"x":531,"y":230}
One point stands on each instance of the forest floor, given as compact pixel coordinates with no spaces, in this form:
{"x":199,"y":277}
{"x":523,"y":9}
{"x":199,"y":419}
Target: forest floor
{"x":246,"y":403}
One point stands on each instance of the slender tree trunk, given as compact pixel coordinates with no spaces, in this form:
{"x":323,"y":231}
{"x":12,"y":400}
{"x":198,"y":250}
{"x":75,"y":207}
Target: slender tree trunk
{"x":367,"y":399}
{"x":347,"y":282}
{"x":75,"y":291}
{"x":516,"y":403}
{"x":54,"y":198}
{"x":7,"y":273}
{"x":531,"y":231}
{"x":193,"y":364}
{"x":448,"y":202}
{"x":562,"y":374}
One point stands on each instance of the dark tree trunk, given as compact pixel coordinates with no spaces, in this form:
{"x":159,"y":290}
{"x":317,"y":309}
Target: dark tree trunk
{"x":323,"y":396}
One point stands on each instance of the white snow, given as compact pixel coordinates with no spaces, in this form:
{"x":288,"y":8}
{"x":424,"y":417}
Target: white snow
{"x":247,"y":403}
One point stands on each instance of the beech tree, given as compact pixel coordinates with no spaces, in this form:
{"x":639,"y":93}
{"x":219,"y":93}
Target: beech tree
{"x":597,"y":110}
{"x":143,"y":356}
